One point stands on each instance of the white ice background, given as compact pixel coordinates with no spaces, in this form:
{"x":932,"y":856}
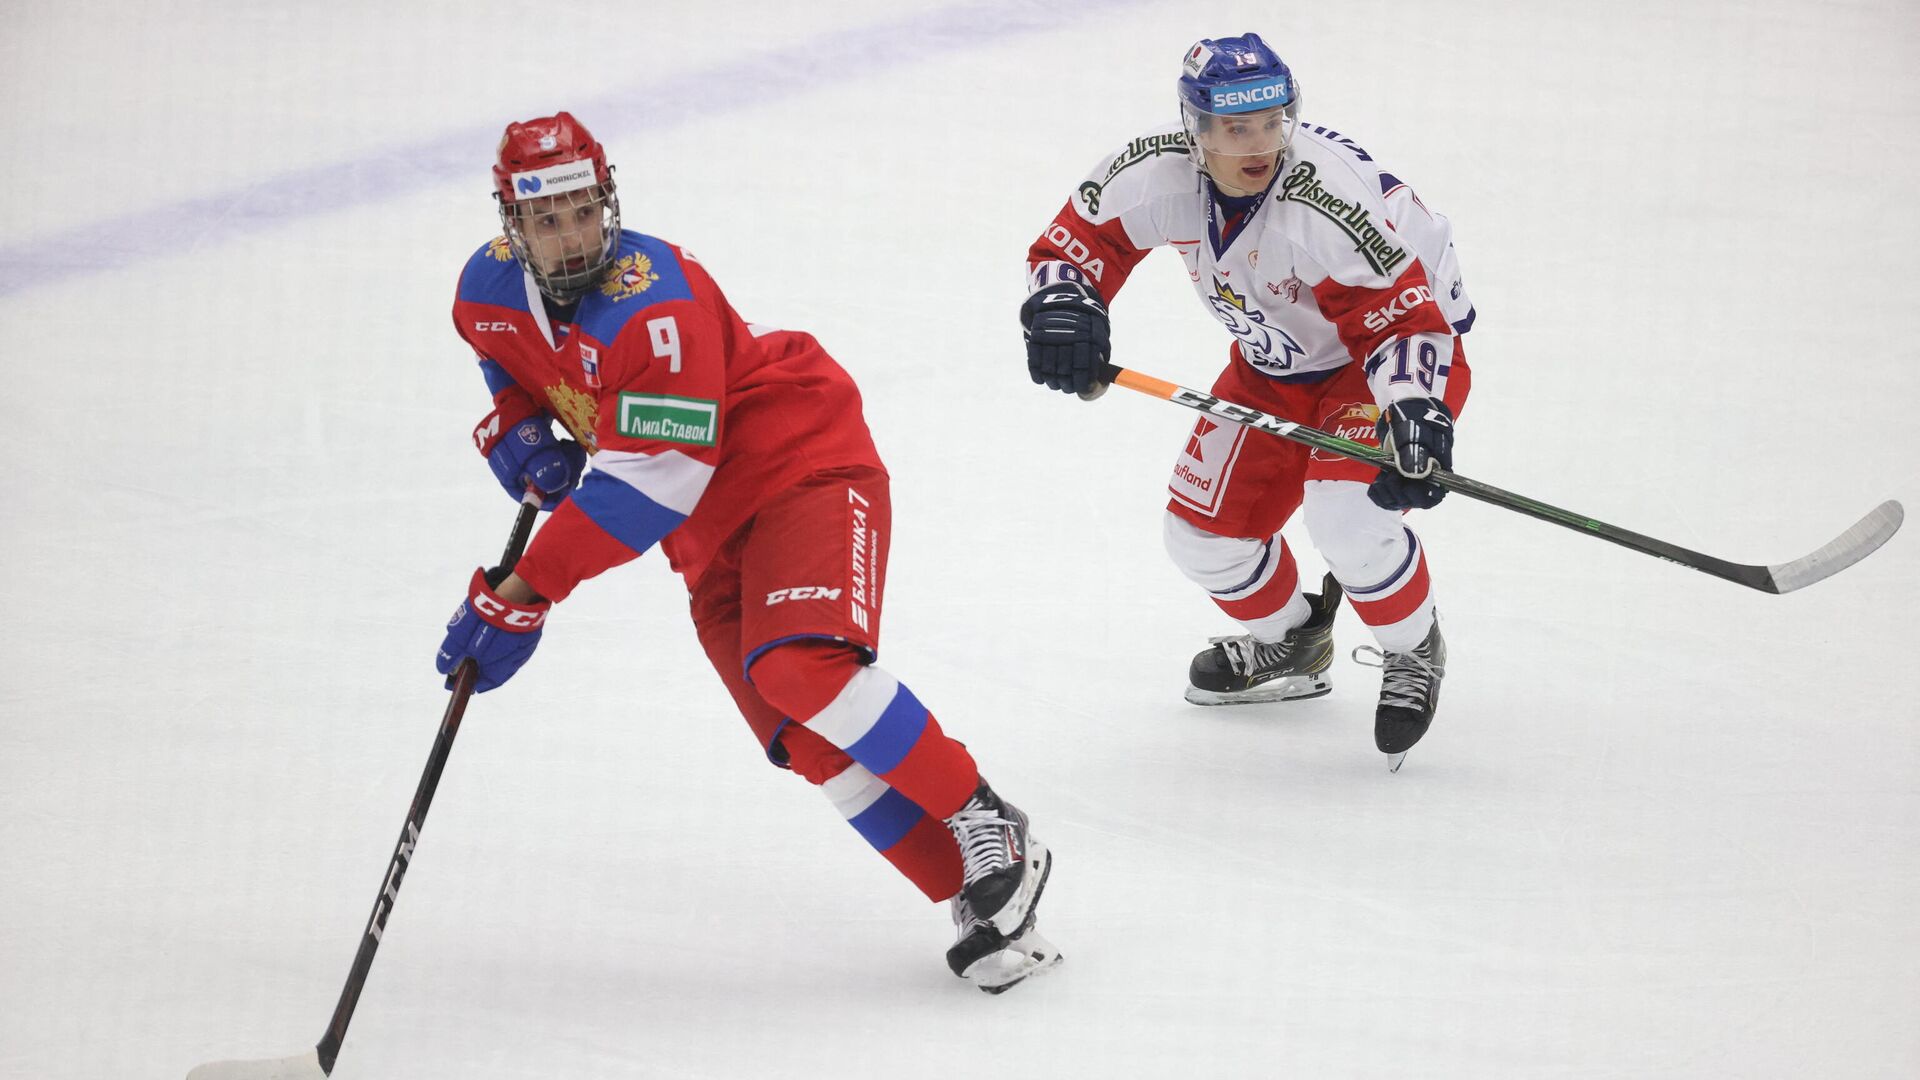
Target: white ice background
{"x":1663,"y":827}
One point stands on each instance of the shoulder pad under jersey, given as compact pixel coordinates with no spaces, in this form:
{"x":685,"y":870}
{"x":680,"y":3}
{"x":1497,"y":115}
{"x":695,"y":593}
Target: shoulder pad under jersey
{"x":646,"y":272}
{"x":493,"y":276}
{"x":1333,"y":209}
{"x":1152,"y":165}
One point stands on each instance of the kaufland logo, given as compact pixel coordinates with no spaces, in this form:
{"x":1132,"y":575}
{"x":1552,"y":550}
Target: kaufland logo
{"x":1201,"y":430}
{"x":1245,"y":98}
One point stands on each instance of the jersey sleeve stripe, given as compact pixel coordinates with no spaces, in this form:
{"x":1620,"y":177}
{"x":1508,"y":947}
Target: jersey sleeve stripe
{"x":669,"y":479}
{"x":624,"y":512}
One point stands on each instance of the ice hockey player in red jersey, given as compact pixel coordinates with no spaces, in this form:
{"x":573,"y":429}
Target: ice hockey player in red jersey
{"x":1343,"y":296}
{"x":740,"y":451}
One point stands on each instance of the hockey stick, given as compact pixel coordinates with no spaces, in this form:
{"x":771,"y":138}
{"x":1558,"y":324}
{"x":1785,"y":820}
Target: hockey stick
{"x":1843,"y":551}
{"x":317,"y":1063}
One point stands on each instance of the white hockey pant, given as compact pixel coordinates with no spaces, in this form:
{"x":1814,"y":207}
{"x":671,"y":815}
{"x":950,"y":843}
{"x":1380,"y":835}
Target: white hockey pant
{"x":1376,"y":559}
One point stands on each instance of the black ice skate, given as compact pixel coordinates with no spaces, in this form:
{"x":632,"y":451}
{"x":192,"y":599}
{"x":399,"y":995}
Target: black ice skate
{"x":1409,"y":693}
{"x":1243,"y":669}
{"x":1003,"y":867}
{"x":991,"y":960}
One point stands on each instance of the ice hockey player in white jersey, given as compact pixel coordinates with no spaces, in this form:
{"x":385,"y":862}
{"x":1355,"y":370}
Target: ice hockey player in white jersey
{"x":1343,"y":297}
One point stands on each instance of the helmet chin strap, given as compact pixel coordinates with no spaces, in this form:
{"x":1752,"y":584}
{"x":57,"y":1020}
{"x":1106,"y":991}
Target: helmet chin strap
{"x":567,"y":288}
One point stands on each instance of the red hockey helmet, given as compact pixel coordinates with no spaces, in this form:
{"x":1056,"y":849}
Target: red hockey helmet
{"x":531,"y":149}
{"x":557,"y":203}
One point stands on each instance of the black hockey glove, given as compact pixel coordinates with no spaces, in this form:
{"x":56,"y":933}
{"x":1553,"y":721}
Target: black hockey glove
{"x":1418,"y":433}
{"x":1066,"y":337}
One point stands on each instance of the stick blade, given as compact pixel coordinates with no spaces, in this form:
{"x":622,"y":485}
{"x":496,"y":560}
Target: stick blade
{"x":298,"y":1067}
{"x":1848,"y":548}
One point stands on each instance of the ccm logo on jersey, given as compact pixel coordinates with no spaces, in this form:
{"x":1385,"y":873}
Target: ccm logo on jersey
{"x":1074,"y":250}
{"x":495,"y":328}
{"x":1410,"y":297}
{"x":802,"y":592}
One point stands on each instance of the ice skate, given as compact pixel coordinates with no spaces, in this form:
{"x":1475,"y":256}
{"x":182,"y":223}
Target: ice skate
{"x":1409,"y":693}
{"x":1241,"y":670}
{"x":991,"y":960}
{"x":1004,"y":868}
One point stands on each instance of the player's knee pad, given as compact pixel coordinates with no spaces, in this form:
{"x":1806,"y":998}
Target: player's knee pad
{"x":867,"y":713}
{"x":1218,"y":564}
{"x":802,"y":677}
{"x":1363,"y":544}
{"x":811,"y":757}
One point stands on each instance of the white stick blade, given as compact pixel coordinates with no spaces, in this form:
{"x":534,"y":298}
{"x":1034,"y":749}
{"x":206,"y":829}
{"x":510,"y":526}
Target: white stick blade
{"x":1850,"y":547}
{"x":298,"y":1067}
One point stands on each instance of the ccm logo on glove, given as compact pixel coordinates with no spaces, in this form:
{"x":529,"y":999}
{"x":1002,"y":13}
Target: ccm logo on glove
{"x":495,"y":610}
{"x":505,"y":615}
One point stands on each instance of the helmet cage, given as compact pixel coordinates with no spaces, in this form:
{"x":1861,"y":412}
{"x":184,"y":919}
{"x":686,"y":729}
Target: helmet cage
{"x":557,"y":203}
{"x":555,"y":239}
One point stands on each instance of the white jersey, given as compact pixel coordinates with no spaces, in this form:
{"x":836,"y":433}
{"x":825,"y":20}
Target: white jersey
{"x":1338,"y":262}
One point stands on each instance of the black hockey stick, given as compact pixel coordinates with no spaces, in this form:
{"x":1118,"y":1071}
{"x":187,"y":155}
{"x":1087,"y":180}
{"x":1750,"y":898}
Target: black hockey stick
{"x":1848,"y":548}
{"x":317,"y":1063}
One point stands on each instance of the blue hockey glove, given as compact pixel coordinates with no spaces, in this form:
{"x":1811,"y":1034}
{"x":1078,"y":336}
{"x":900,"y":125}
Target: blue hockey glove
{"x":498,"y":634}
{"x":1066,"y":328}
{"x":528,"y":454}
{"x":1418,"y":433}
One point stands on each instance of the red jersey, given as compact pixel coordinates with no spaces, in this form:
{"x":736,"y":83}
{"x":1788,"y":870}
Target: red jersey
{"x":693,"y":418}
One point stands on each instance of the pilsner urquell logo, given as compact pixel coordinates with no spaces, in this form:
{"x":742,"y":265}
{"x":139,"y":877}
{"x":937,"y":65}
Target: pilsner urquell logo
{"x":666,"y":418}
{"x":1137,"y":151}
{"x":1302,"y":185}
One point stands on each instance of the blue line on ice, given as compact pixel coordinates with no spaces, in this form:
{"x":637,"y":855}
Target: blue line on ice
{"x":837,"y":57}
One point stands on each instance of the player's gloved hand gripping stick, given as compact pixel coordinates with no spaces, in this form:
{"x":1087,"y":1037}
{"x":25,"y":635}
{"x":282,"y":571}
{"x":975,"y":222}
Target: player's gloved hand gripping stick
{"x":1863,"y":539}
{"x":317,"y":1063}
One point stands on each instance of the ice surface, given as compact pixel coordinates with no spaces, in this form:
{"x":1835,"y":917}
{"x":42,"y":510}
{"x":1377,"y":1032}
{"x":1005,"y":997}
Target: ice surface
{"x":1664,"y":826}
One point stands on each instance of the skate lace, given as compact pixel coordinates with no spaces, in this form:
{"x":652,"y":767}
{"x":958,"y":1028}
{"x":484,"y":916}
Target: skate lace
{"x":1247,"y":654}
{"x":1406,"y":678}
{"x":983,"y":846}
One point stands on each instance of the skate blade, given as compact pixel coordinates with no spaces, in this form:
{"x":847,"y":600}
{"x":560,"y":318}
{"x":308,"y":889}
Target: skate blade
{"x":1022,"y":959}
{"x":1394,"y":760}
{"x":1291,"y":688}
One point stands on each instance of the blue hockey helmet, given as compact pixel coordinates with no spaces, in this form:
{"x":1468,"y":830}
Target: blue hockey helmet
{"x":1237,"y":98}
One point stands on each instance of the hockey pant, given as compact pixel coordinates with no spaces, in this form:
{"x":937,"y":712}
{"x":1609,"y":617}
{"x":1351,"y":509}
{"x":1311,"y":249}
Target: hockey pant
{"x":789,"y":614}
{"x":1233,"y":488}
